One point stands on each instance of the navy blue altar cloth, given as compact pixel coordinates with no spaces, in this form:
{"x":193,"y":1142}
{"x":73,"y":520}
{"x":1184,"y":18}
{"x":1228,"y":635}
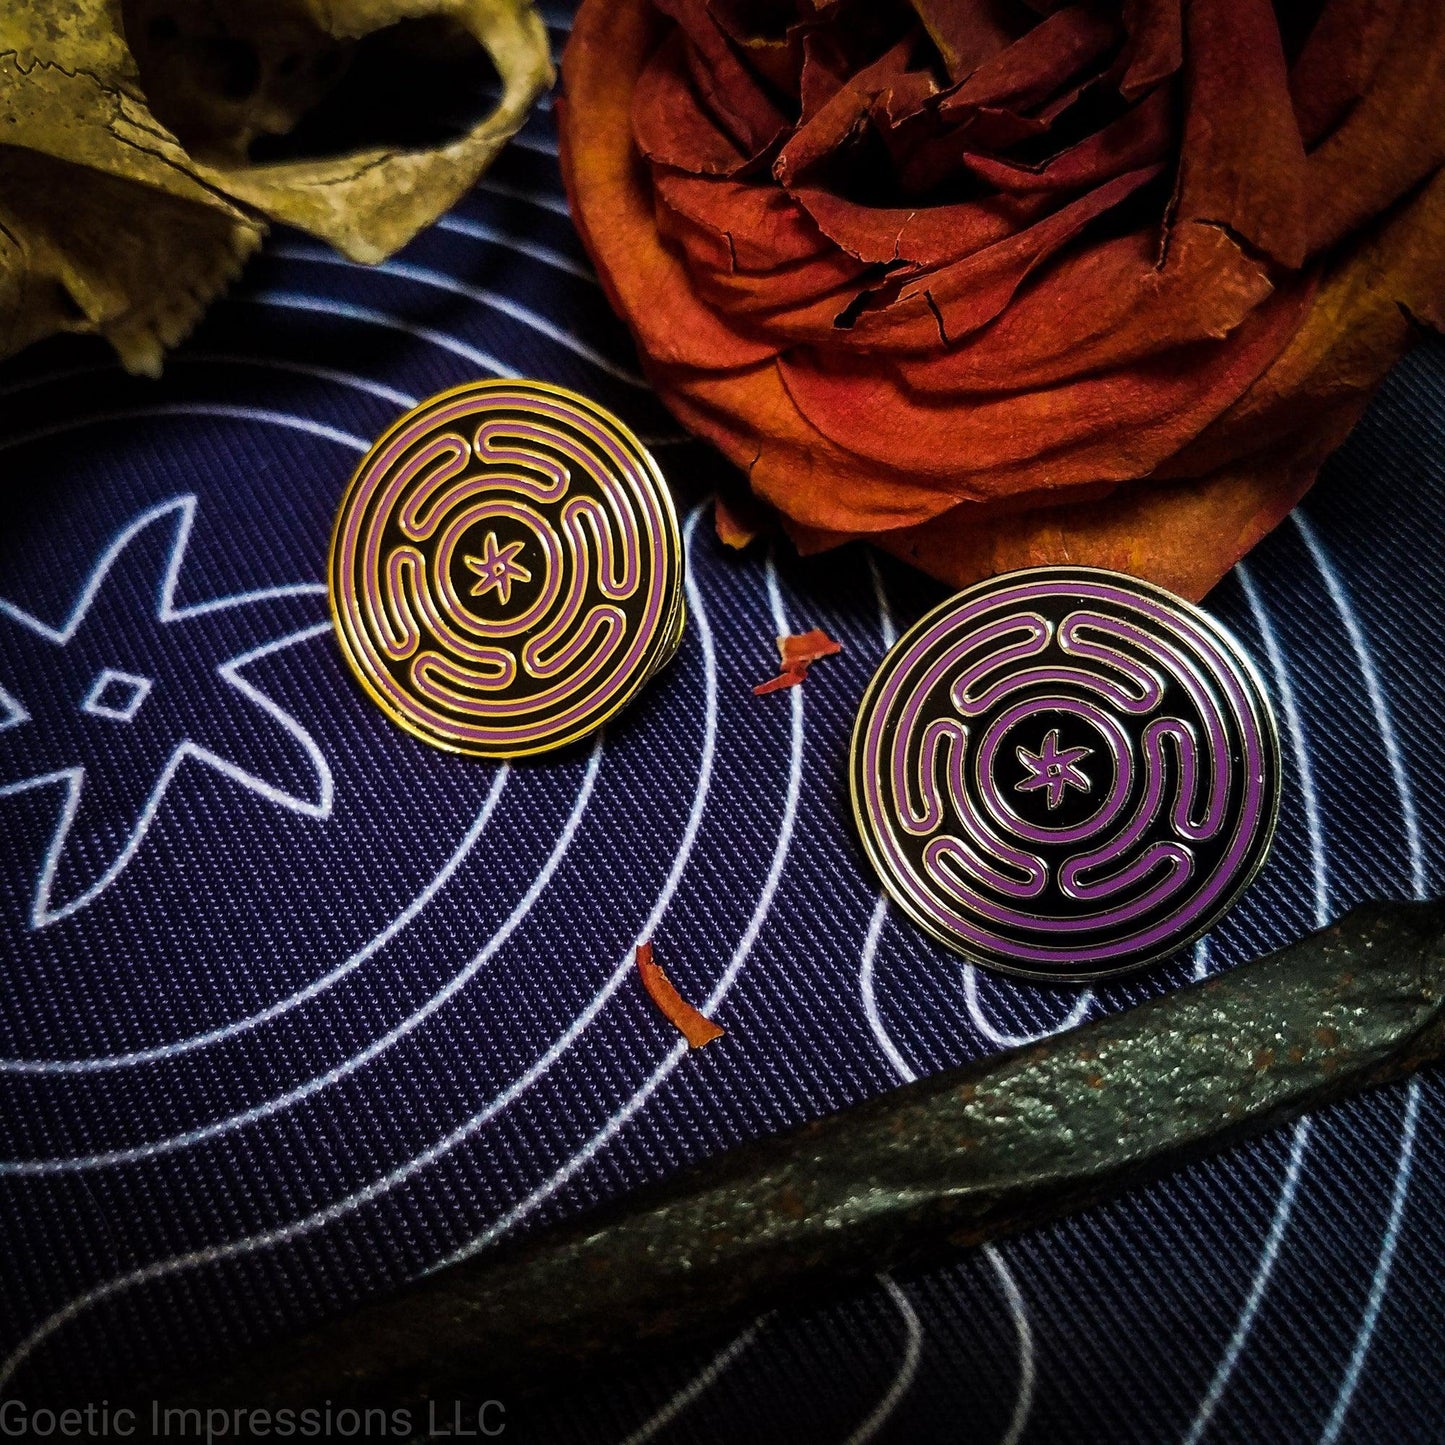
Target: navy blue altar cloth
{"x":294,"y":1006}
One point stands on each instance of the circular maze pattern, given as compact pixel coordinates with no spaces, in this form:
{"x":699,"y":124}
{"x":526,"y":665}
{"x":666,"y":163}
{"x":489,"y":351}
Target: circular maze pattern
{"x":506,"y":570}
{"x":1065,"y":773}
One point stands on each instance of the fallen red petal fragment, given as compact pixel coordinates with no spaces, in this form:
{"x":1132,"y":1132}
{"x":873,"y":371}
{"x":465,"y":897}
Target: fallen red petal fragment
{"x":737,"y":523}
{"x":806,"y":647}
{"x":798,"y":653}
{"x":783,"y":679}
{"x":696,"y":1028}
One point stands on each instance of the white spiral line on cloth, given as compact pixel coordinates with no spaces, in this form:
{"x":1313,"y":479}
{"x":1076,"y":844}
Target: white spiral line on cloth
{"x":724,"y":985}
{"x":891,"y":1051}
{"x":907,"y":1370}
{"x":225,"y":410}
{"x":484,"y":361}
{"x":300,"y":368}
{"x":301,"y":996}
{"x":1375,"y":691}
{"x":884,"y":1039}
{"x":705,"y":1378}
{"x":309,"y":1224}
{"x":1075,"y":1016}
{"x":521,"y":245}
{"x":488,"y":300}
{"x":187,"y":358}
{"x":282,"y":1102}
{"x":1273,"y":1240}
{"x":1314,"y":828}
{"x":1414,"y":844}
{"x":543,"y":200}
{"x":1289,"y":702}
{"x":1024,"y":1401}
{"x":1376,"y":1299}
{"x":1201,"y":959}
{"x":542,"y":145}
{"x":347,"y":311}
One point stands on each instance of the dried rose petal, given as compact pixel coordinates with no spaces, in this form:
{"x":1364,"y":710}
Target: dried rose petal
{"x":695,"y":1027}
{"x":737,"y":523}
{"x":798,"y":652}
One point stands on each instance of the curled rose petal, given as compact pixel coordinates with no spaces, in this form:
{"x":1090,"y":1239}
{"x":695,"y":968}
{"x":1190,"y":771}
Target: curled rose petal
{"x":695,"y":1027}
{"x":1000,"y":282}
{"x":778,"y":683}
{"x":798,"y":653}
{"x":738,"y":521}
{"x":805,"y":648}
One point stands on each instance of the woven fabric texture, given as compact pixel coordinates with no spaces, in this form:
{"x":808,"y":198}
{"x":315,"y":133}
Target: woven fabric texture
{"x":296,"y":1007}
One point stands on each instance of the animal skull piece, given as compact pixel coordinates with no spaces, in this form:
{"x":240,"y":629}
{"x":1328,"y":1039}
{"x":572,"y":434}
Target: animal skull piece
{"x":146,"y":144}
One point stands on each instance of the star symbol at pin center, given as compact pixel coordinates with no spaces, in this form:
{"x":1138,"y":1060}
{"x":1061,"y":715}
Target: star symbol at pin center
{"x":497,"y":567}
{"x":1053,"y":768}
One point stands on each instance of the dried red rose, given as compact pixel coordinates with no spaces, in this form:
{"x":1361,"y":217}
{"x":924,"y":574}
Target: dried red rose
{"x":1003,"y":282}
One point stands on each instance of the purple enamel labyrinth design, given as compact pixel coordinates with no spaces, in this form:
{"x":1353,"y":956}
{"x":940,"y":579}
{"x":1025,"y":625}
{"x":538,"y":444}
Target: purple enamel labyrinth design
{"x":506,"y":570}
{"x":1066,"y":773}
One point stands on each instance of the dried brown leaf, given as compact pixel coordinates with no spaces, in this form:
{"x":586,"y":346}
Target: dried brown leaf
{"x":110,"y":224}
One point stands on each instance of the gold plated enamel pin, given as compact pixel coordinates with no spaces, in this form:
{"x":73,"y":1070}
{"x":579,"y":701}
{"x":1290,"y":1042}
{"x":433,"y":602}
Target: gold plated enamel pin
{"x":506,"y":570}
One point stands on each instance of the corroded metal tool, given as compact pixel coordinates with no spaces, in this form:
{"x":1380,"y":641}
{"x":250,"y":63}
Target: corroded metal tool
{"x":948,"y":1162}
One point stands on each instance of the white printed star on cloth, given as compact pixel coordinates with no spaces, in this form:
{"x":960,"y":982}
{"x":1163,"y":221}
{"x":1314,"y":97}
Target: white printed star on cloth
{"x":163,"y":684}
